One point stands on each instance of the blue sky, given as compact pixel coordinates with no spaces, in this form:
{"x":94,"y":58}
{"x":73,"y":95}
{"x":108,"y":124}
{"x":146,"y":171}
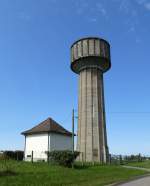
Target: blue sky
{"x":35,"y":77}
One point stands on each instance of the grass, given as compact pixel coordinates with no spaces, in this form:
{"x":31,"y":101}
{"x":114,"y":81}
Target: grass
{"x":42,"y":174}
{"x":144,"y":164}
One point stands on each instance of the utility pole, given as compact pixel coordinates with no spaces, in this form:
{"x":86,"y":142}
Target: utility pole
{"x":73,"y":137}
{"x":73,"y":131}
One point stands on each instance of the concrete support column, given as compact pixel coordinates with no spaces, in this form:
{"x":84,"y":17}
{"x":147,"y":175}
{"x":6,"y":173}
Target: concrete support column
{"x":91,"y":133}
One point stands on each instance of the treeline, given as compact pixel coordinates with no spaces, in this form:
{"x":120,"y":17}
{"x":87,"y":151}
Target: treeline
{"x":15,"y":155}
{"x":138,"y":158}
{"x":120,"y":159}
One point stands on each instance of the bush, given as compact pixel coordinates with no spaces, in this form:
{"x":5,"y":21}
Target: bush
{"x":15,"y":155}
{"x":3,"y":157}
{"x":64,"y":158}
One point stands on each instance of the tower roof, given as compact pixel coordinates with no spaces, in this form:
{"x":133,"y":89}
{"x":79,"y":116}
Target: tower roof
{"x":49,"y":125}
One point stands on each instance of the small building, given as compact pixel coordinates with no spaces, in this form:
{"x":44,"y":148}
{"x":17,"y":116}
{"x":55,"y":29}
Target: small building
{"x":46,"y":136}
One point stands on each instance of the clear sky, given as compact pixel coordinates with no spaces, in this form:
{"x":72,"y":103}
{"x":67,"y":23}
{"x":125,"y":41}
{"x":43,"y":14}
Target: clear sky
{"x":35,"y":77}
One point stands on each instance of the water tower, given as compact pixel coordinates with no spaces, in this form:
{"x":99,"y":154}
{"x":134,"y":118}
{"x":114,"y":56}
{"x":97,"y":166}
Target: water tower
{"x":90,"y":58}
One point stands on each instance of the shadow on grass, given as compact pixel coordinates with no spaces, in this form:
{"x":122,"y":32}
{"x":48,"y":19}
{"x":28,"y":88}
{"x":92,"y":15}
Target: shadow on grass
{"x":80,"y":167}
{"x":7,"y":173}
{"x":87,"y":165}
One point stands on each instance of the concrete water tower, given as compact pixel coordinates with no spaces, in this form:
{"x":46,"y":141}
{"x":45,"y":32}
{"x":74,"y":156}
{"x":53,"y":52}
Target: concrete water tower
{"x":90,"y":58}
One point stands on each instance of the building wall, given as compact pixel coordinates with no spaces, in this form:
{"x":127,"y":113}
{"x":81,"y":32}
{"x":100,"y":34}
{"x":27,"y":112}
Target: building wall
{"x":38,"y":143}
{"x":60,"y":142}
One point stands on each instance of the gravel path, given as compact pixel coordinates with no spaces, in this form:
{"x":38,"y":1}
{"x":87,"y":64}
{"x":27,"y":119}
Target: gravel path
{"x":140,"y":182}
{"x":137,"y":168}
{"x":145,"y":181}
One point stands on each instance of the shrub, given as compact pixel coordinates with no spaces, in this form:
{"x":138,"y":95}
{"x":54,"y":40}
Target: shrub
{"x":64,"y":158}
{"x":15,"y":155}
{"x":3,"y":157}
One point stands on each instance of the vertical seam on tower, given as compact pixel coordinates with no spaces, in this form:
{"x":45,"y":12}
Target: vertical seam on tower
{"x":104,"y":105}
{"x":86,"y":111}
{"x":104,"y":121}
{"x":80,"y":108}
{"x":92,"y":71}
{"x":81,"y":48}
{"x":77,"y":49}
{"x":99,"y":144}
{"x":100,"y":47}
{"x":94,"y":47}
{"x":102,"y":114}
{"x":88,"y":47}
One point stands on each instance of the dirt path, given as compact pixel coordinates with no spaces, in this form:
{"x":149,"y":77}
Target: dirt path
{"x":139,"y":182}
{"x":144,"y":181}
{"x":137,"y":168}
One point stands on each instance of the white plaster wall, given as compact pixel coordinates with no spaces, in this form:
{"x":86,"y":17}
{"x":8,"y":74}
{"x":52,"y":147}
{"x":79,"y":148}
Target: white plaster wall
{"x":38,"y":143}
{"x":60,"y":142}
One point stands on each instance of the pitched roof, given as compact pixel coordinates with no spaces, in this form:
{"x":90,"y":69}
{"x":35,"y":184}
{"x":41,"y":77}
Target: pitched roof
{"x":49,"y":125}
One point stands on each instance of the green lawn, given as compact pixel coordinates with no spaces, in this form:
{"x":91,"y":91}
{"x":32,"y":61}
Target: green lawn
{"x":144,"y":164}
{"x":42,"y":174}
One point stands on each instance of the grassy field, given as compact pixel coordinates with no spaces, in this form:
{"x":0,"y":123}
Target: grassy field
{"x":42,"y":174}
{"x":144,"y":164}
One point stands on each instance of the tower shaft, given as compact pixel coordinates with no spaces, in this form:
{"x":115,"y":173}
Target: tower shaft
{"x":90,"y":58}
{"x":92,"y":141}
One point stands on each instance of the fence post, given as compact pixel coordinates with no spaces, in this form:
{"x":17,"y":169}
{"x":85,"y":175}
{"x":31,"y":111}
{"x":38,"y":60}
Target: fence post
{"x":48,"y":157}
{"x":17,"y":156}
{"x":110,"y":159}
{"x":32,"y":157}
{"x":120,"y":159}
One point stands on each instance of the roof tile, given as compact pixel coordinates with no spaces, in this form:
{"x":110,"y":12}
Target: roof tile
{"x":49,"y":125}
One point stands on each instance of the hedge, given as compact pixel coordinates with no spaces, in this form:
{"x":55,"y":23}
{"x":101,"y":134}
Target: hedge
{"x":64,"y":158}
{"x":16,"y":155}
